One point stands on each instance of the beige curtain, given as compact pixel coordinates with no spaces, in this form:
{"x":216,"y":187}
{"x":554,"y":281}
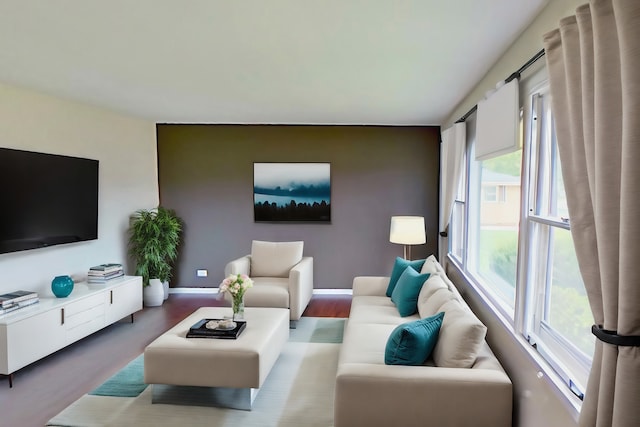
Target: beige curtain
{"x":594,"y":68}
{"x":451,"y":158}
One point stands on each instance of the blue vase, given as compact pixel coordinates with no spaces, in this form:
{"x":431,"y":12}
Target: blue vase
{"x":62,"y":286}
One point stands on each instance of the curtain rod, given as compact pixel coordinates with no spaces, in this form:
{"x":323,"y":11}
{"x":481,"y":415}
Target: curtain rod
{"x":515,"y":75}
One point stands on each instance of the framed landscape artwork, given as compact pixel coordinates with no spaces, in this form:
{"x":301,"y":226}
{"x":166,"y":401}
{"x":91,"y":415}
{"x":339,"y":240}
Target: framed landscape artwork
{"x":292,"y":192}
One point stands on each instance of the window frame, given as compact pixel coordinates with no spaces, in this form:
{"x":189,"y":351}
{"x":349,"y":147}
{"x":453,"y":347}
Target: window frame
{"x":560,"y":355}
{"x":566,"y":359}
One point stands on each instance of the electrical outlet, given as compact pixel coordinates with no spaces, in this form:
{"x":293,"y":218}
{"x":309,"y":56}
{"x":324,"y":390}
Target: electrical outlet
{"x":201,"y":273}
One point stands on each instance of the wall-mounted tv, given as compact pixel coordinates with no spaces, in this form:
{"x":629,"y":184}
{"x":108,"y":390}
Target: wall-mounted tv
{"x":46,"y":199}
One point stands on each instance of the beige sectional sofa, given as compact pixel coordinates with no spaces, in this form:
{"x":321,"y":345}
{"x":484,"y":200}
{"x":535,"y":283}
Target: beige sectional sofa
{"x":461,"y":383}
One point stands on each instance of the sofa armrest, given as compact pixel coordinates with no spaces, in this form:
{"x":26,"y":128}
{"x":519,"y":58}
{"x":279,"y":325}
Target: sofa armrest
{"x":370,"y":285}
{"x":378,"y":395}
{"x":300,"y":287}
{"x":238,"y":266}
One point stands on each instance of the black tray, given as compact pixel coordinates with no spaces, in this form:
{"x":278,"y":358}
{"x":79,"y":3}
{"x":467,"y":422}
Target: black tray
{"x":199,"y":330}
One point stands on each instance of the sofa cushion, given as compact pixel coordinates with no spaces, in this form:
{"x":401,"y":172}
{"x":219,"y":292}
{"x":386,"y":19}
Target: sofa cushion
{"x":398,"y":268}
{"x":433,"y":284}
{"x":405,"y":294}
{"x":412,"y":343}
{"x":430,"y":265}
{"x":435,"y":302}
{"x":461,"y":337}
{"x":367,"y":313}
{"x":274,"y":259}
{"x":365,"y":342}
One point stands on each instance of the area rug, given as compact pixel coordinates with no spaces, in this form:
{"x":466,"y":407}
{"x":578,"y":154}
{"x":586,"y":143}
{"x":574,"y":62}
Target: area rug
{"x":298,"y":391}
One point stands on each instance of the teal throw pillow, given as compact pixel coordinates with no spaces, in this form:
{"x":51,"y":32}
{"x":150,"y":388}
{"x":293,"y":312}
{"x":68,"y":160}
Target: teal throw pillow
{"x":412,"y":343}
{"x":398,"y":268}
{"x":405,"y":294}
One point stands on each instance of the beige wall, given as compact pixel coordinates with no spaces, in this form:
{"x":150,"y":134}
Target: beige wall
{"x":537,"y":401}
{"x":126,"y":149}
{"x":527,"y":45}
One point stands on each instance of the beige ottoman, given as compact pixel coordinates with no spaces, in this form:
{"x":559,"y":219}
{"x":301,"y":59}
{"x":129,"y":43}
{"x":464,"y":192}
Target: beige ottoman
{"x":218,"y":372}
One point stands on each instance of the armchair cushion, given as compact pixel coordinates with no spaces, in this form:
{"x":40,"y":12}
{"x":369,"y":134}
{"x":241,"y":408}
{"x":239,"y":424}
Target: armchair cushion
{"x":274,"y":259}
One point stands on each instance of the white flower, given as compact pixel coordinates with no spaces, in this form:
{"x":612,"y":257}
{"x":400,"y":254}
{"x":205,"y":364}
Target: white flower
{"x":236,"y":285}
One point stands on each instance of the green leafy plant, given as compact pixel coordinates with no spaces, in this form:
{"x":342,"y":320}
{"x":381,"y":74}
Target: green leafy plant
{"x":154,"y":237}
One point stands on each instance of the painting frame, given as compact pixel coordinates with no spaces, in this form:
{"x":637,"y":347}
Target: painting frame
{"x":292,"y":192}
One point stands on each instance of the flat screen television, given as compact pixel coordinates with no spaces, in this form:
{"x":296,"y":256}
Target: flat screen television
{"x":46,"y":199}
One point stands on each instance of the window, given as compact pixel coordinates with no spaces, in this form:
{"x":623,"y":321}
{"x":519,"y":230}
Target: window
{"x":511,"y":235}
{"x":494,"y":227}
{"x":560,"y":318}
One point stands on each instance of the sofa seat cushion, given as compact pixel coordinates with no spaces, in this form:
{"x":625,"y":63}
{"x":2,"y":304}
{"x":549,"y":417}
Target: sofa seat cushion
{"x":371,"y":300}
{"x":412,"y":343}
{"x":364,"y":312}
{"x":274,"y":259}
{"x":268,"y":292}
{"x":365,"y":343}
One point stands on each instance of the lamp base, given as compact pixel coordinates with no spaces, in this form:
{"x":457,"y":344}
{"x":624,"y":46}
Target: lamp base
{"x":407,"y":252}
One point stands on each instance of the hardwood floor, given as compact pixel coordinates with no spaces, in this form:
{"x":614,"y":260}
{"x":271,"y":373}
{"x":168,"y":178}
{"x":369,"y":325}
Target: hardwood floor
{"x":44,"y":388}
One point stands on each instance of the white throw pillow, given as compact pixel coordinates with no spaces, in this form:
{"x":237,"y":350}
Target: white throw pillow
{"x":274,"y":259}
{"x":430,"y":265}
{"x":435,"y":302}
{"x":461,"y":337}
{"x":431,"y":285}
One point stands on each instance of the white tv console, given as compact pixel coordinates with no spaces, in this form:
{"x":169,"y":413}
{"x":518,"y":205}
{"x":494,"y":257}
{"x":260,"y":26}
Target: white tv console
{"x":33,"y":332}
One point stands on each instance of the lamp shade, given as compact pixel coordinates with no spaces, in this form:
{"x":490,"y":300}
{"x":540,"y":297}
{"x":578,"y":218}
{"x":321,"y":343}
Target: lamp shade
{"x":407,"y":230}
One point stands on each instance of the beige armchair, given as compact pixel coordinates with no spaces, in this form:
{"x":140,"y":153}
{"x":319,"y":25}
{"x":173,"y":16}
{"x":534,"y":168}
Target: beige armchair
{"x":282,"y":277}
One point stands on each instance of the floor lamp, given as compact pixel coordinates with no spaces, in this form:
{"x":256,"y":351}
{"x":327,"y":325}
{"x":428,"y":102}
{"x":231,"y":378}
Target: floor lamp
{"x":407,"y":231}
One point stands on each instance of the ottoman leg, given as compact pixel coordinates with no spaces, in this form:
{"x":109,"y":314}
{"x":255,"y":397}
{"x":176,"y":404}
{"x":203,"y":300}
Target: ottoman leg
{"x":223,"y":397}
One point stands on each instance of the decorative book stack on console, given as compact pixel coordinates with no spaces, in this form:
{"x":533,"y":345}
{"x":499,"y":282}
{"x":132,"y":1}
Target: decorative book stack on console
{"x":104,"y":272}
{"x":16,"y":300}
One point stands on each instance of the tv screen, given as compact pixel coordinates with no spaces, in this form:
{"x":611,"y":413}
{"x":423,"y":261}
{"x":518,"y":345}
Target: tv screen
{"x":47,"y":199}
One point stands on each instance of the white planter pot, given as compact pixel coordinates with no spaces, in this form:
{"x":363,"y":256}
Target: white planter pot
{"x":165,"y":287}
{"x":153,"y":295}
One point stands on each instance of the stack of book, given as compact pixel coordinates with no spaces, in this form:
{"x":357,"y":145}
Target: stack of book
{"x":104,"y":272}
{"x":217,"y":328}
{"x":16,"y":300}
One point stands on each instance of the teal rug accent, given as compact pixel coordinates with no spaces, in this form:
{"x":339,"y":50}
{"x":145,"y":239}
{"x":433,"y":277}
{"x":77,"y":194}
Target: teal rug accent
{"x":321,"y":330}
{"x":128,"y":382}
{"x":328,"y":331}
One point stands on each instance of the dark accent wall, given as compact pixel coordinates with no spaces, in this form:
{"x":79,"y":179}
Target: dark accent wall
{"x":206,"y":175}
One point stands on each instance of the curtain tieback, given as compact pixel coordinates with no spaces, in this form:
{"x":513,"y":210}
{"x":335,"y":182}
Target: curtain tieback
{"x":612,"y":337}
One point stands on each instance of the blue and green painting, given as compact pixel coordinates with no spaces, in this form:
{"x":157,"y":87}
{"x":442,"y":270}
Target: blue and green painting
{"x":292,"y":192}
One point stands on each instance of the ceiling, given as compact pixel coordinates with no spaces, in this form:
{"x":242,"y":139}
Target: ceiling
{"x":384,"y":62}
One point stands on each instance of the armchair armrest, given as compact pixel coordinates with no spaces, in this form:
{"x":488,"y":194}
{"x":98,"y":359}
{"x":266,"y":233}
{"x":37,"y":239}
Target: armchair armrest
{"x":238,"y":266}
{"x":300,"y":287}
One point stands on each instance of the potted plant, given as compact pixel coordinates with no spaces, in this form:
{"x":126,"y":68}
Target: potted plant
{"x":154,"y":236}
